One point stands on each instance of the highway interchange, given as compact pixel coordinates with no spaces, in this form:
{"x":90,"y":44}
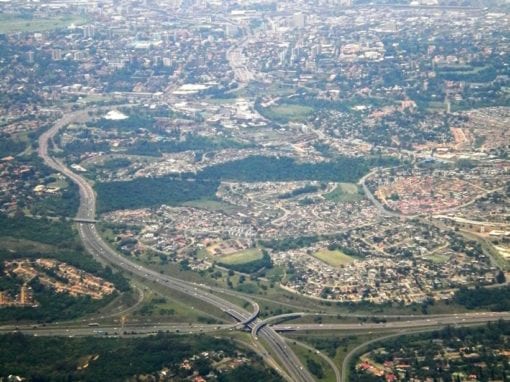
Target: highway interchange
{"x":260,"y":329}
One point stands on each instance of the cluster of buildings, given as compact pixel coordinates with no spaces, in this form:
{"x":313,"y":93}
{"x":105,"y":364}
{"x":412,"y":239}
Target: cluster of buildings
{"x":25,"y":298}
{"x":461,"y":359}
{"x":416,"y":191}
{"x":245,"y":213}
{"x":59,"y":277}
{"x":203,"y":83}
{"x":394,"y":261}
{"x":26,"y":186}
{"x":219,"y":361}
{"x":401,"y":263}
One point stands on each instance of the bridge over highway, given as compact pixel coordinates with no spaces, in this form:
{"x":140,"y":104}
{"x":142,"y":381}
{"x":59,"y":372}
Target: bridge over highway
{"x":83,"y":220}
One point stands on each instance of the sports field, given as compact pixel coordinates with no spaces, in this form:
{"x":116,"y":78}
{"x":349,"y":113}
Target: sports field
{"x":242,"y":257}
{"x":333,"y":258}
{"x":12,"y":24}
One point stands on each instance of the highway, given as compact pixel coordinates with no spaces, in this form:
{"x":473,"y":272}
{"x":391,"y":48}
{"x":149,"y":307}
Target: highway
{"x":77,"y":329}
{"x":470,"y":318}
{"x":403,"y":327}
{"x":396,"y":322}
{"x":338,"y":376}
{"x":110,"y":329}
{"x":98,"y":248}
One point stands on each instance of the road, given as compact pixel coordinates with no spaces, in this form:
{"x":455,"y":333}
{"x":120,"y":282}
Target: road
{"x":329,"y":361}
{"x":397,"y":322}
{"x":98,"y":248}
{"x":470,"y":318}
{"x":76,"y":329}
{"x":375,"y":202}
{"x":108,"y":330}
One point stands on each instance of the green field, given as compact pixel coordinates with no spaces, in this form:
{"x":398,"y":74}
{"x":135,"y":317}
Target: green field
{"x":211,"y":205}
{"x":288,"y":112}
{"x":344,"y":192}
{"x":460,"y":68}
{"x":438,"y":258}
{"x":242,"y":257}
{"x":25,"y":246}
{"x":159,"y":306}
{"x":333,"y":258}
{"x":11,"y":23}
{"x":59,"y":182}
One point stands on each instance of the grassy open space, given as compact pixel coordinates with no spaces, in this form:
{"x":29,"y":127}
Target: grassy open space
{"x":438,"y":258}
{"x":344,"y":192}
{"x":211,"y":205}
{"x":242,"y":257}
{"x":461,"y":68}
{"x":25,"y":246}
{"x":489,"y":250}
{"x":277,"y":299}
{"x":288,"y":112}
{"x":158,"y":306}
{"x":12,"y":24}
{"x":222,"y":101}
{"x":333,"y":258}
{"x":59,"y":183}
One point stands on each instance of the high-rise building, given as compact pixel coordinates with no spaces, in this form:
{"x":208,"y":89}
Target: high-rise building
{"x":231,"y":30}
{"x":447,"y":105}
{"x":89,"y":31}
{"x":56,"y":54}
{"x":299,"y":20}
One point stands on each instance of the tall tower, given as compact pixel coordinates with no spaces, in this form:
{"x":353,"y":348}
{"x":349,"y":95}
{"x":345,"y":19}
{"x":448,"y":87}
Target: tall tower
{"x":299,"y":20}
{"x":447,"y":105}
{"x":89,"y":31}
{"x":56,"y":54}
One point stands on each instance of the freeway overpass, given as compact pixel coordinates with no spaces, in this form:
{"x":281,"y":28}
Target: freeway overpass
{"x":83,"y":220}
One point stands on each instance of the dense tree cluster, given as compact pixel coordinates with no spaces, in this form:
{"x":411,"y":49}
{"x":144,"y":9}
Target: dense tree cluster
{"x":115,"y":359}
{"x":149,"y":192}
{"x":56,"y":233}
{"x":277,"y":169}
{"x":496,"y":299}
{"x":309,"y":188}
{"x":10,"y":146}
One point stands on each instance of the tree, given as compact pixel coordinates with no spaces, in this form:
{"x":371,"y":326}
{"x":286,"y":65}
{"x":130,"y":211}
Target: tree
{"x":501,"y":278}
